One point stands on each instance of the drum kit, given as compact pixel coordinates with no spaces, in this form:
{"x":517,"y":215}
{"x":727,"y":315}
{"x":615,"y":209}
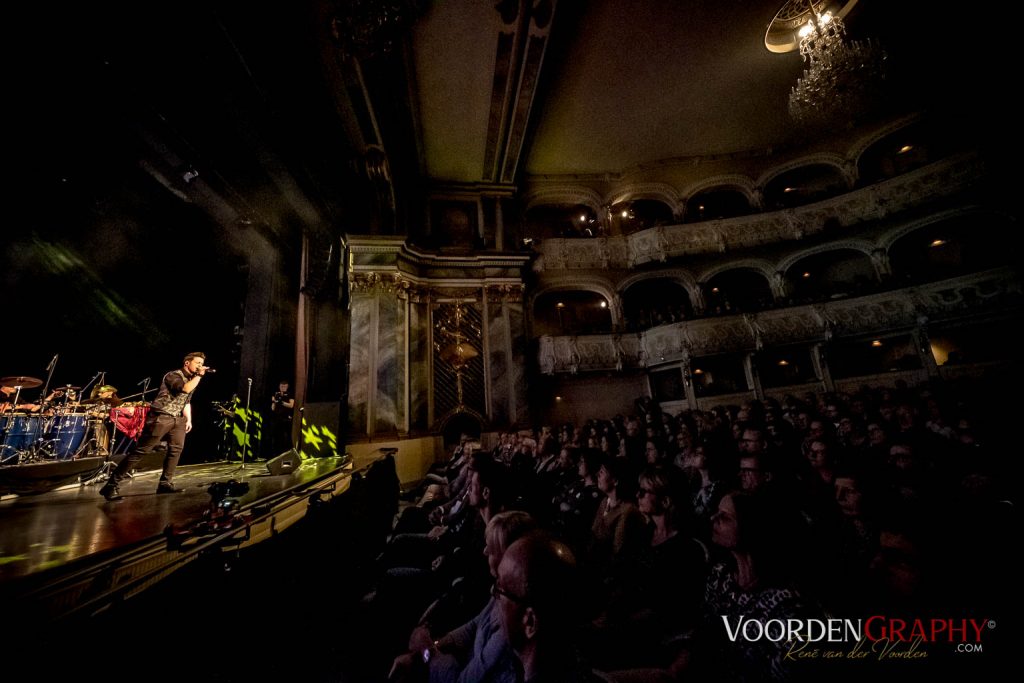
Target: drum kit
{"x":62,"y":426}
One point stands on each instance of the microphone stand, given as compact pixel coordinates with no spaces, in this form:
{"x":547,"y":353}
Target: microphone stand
{"x":85,"y":389}
{"x":49,"y":375}
{"x":248,"y":418}
{"x":141,"y":393}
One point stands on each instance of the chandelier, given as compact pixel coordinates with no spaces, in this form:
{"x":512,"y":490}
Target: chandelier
{"x":843,"y":79}
{"x":453,"y":342}
{"x":370,"y":28}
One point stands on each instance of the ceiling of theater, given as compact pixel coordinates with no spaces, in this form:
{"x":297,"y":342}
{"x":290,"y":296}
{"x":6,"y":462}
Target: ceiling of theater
{"x":283,"y":129}
{"x":627,"y":83}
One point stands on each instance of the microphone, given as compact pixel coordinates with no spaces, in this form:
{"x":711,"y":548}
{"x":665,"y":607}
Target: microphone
{"x":209,"y":371}
{"x":52,"y":362}
{"x":249,"y":380}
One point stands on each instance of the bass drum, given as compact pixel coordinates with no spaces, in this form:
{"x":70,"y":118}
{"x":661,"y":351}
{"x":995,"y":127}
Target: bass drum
{"x":18,"y":433}
{"x":64,"y":436}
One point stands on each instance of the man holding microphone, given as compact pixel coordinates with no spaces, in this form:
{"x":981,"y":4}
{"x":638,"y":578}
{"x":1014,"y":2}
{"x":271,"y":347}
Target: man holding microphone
{"x":170,"y":418}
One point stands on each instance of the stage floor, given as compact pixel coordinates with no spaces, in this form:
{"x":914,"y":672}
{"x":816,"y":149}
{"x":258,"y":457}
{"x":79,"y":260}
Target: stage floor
{"x":45,"y":531}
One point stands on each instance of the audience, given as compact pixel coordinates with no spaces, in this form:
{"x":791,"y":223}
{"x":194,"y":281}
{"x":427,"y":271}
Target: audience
{"x":803,"y":506}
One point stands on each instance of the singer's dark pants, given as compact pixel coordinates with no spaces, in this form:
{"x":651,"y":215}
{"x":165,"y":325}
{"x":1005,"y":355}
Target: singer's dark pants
{"x":158,"y":427}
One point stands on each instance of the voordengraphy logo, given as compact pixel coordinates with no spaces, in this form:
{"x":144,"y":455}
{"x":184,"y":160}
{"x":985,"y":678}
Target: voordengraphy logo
{"x":785,"y":630}
{"x":883,"y":636}
{"x":927,"y":630}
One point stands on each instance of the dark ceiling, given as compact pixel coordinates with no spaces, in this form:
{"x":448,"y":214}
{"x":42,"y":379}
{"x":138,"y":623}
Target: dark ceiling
{"x":160,"y":131}
{"x":283,"y":130}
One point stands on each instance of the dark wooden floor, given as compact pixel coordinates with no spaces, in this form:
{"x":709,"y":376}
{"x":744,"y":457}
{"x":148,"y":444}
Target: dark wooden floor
{"x":44,"y":531}
{"x":286,"y":608}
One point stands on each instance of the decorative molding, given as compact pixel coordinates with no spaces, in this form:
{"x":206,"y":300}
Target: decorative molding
{"x":661,"y":192}
{"x":684,"y":278}
{"x":890,"y":237}
{"x":564,"y":195}
{"x":385,"y":283}
{"x":862,"y":246}
{"x":868,"y":141}
{"x":837,"y":161}
{"x":994,"y":292}
{"x":746,"y":185}
{"x":941,"y":179}
{"x":761,"y":266}
{"x":507,"y":293}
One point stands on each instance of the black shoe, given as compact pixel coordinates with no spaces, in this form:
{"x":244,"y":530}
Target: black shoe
{"x":168,"y":488}
{"x":109,"y":491}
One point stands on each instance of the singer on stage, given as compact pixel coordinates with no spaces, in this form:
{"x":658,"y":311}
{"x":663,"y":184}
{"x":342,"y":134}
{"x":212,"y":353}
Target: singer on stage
{"x":170,"y":418}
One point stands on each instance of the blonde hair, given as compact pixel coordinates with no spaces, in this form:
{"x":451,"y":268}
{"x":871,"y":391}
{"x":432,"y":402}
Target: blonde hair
{"x":507,"y":527}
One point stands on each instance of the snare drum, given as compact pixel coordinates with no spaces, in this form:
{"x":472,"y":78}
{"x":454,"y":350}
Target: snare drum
{"x":65,"y":434}
{"x":18,"y":433}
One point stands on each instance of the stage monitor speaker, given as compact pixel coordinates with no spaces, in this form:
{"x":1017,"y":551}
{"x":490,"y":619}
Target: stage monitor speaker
{"x":288,"y":461}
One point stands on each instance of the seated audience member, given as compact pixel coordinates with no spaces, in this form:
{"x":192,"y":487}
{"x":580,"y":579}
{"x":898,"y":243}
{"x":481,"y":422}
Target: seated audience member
{"x":536,"y":595}
{"x":576,"y":507}
{"x":857,"y":537}
{"x":753,"y":475}
{"x":664,"y":600}
{"x":673,"y":565}
{"x":617,"y":534}
{"x":420,"y":566}
{"x":477,"y":651}
{"x":702,"y":486}
{"x":756,"y":584}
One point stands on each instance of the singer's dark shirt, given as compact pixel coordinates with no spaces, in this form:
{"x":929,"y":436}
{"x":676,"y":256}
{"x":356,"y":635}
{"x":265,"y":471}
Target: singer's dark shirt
{"x":172,"y":397}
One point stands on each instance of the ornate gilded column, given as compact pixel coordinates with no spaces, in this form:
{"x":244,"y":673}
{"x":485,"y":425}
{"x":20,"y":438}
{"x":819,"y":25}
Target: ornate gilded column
{"x":506,"y":357}
{"x":378,"y":380}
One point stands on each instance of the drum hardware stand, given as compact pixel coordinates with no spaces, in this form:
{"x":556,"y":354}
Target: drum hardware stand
{"x":248,"y":419}
{"x":7,"y":432}
{"x":105,"y":470}
{"x":17,"y":396}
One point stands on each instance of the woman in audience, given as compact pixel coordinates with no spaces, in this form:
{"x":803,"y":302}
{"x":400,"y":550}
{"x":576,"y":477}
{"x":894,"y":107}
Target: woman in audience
{"x":673,"y":566}
{"x":755,"y":584}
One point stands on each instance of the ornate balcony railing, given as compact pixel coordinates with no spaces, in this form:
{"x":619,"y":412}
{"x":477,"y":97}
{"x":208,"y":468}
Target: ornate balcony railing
{"x":940,"y":179}
{"x":986,"y":293}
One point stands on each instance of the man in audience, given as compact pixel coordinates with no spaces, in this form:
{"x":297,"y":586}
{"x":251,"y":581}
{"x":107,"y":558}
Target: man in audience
{"x":753,"y":474}
{"x":535,"y":588}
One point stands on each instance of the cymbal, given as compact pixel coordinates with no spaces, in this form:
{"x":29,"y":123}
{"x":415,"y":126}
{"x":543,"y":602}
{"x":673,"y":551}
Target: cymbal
{"x":21,"y":381}
{"x":61,"y":390}
{"x":112,"y":401}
